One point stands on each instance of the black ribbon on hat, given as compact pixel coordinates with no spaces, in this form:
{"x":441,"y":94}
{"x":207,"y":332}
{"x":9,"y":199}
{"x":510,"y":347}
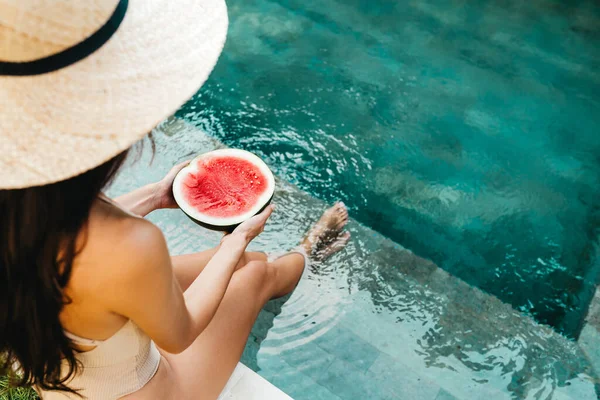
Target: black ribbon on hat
{"x":70,"y":55}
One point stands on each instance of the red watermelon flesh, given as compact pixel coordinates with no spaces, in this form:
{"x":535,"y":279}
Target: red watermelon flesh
{"x":224,"y":186}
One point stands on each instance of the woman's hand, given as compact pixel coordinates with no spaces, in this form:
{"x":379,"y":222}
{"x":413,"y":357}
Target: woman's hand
{"x":251,"y":228}
{"x":152,"y":197}
{"x":163,"y":191}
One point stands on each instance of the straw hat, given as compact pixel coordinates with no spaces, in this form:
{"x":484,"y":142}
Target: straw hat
{"x":82,"y":80}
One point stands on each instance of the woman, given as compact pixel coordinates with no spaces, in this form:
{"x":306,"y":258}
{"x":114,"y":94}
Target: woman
{"x":92,"y":304}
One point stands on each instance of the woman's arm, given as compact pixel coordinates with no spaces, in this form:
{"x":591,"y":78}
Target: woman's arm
{"x":152,"y":197}
{"x":204,"y":295}
{"x":141,"y":201}
{"x":146,"y":289}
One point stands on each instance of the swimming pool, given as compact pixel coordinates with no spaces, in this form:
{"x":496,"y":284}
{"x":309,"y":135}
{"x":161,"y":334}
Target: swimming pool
{"x":465,"y":131}
{"x":376,"y":321}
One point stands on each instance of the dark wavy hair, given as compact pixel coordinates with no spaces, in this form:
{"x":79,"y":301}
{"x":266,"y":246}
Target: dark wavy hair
{"x":40,"y":229}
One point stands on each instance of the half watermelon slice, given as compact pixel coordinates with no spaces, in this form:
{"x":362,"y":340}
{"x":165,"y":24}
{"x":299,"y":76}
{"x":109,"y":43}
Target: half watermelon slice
{"x":223,"y":188}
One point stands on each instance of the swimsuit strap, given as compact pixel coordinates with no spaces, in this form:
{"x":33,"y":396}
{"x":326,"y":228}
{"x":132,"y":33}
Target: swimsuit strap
{"x":78,"y":340}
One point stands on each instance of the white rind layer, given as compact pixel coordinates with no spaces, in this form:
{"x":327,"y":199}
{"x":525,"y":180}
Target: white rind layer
{"x":207,"y":219}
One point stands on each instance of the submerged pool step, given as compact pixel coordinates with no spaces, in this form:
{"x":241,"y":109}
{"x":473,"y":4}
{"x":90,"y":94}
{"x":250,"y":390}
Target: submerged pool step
{"x":377,"y":321}
{"x":404,"y":328}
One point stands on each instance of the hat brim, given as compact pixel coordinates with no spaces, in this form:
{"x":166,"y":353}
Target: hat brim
{"x":61,"y":124}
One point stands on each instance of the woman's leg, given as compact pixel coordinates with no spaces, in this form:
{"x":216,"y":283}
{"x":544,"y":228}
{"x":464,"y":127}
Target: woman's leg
{"x":203,"y":369}
{"x":319,"y":242}
{"x":188,"y":266}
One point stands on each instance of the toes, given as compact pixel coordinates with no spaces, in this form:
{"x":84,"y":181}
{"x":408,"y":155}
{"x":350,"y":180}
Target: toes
{"x":343,"y":220}
{"x":338,"y":244}
{"x":344,"y":238}
{"x":338,"y":206}
{"x":342,"y":212}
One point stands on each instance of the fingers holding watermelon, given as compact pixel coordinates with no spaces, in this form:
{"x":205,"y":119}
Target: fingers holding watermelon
{"x":163,"y":192}
{"x":254,"y":226}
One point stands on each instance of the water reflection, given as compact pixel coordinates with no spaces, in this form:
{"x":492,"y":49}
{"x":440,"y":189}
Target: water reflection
{"x":376,"y":309}
{"x":465,"y":131}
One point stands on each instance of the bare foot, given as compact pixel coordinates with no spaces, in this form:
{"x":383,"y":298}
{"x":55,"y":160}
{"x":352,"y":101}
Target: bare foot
{"x":333,"y":247}
{"x":326,"y":237}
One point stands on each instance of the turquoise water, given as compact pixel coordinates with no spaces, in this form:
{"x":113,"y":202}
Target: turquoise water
{"x":376,"y":321}
{"x":464,"y":131}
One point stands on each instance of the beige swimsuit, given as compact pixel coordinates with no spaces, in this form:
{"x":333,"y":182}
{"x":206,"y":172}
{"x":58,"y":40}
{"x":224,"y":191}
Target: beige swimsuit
{"x":117,"y":366}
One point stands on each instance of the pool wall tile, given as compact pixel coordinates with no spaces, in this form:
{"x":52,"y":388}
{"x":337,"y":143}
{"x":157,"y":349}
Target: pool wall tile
{"x":297,"y":384}
{"x":399,"y":378}
{"x":349,"y":347}
{"x":443,"y":395}
{"x":309,"y":359}
{"x":301,"y":387}
{"x":350,"y":383}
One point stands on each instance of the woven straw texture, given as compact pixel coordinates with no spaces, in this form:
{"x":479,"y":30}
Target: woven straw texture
{"x":61,"y":124}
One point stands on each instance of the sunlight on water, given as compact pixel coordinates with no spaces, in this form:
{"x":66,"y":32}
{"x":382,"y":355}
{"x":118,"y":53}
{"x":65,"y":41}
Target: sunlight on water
{"x":375,"y":321}
{"x":465,"y":131}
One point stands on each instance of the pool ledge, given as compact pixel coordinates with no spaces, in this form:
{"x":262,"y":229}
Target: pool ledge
{"x":246,"y":384}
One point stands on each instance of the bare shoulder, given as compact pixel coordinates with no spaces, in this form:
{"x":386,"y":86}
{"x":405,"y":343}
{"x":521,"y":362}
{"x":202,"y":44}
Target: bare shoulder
{"x":119,"y":249}
{"x":137,"y":242}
